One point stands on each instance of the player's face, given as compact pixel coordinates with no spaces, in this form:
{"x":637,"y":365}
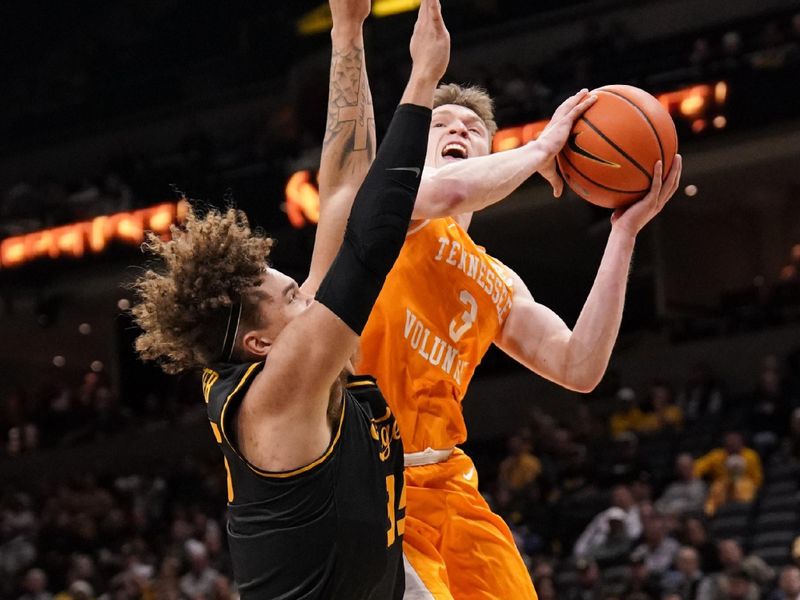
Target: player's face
{"x":283,"y":302}
{"x":456,"y":133}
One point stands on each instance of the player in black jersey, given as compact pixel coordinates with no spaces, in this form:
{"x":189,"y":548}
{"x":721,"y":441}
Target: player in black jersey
{"x":315,"y":465}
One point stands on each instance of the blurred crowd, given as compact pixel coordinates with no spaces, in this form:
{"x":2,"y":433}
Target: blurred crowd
{"x":59,"y":413}
{"x":691,"y":494}
{"x":687,"y":492}
{"x":156,"y":536}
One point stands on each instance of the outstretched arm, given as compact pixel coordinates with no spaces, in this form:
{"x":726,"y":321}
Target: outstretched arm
{"x":294,"y":388}
{"x":539,"y":339}
{"x":348,"y":148}
{"x":475,"y":183}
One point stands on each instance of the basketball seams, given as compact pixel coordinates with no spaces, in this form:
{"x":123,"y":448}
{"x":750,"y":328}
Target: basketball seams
{"x":600,"y":185}
{"x":611,"y":143}
{"x":646,"y":118}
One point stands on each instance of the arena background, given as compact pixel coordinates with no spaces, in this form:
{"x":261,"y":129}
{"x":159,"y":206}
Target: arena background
{"x":111,"y":486}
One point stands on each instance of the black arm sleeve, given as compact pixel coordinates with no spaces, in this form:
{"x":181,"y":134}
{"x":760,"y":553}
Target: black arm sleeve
{"x":378,"y":220}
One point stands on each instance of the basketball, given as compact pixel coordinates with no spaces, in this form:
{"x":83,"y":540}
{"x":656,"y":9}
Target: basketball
{"x":610,"y":154}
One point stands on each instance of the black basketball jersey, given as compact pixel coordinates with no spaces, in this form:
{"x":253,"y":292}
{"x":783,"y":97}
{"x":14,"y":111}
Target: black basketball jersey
{"x":330,"y":530}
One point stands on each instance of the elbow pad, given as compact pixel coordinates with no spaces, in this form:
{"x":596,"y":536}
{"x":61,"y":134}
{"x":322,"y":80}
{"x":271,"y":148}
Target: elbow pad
{"x":379,"y":219}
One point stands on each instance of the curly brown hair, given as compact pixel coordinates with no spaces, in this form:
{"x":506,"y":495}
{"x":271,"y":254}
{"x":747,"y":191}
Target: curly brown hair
{"x":472,"y":97}
{"x":210,"y":262}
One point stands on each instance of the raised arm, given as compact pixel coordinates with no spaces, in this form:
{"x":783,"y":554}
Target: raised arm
{"x":539,"y":339}
{"x":469,"y":185}
{"x":293,"y":389}
{"x":348,"y":147}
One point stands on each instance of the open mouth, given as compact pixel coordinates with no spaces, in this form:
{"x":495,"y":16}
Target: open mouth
{"x":454,"y":151}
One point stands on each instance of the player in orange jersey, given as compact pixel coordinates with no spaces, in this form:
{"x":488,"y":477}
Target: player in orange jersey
{"x":446,"y":301}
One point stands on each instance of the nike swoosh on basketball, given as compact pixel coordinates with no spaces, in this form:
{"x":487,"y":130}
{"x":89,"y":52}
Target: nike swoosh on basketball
{"x":469,"y":474}
{"x":572,"y":144}
{"x":414,"y":170}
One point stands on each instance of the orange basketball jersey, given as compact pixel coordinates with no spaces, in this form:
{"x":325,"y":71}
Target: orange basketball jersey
{"x":441,"y":307}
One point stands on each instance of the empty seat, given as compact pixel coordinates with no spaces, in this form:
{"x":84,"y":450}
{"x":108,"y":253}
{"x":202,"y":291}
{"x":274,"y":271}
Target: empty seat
{"x":774,"y":556}
{"x":780,"y":488}
{"x":733,"y":526}
{"x":780,"y":502}
{"x":773,"y":538}
{"x":732,"y":509}
{"x":783,"y":471}
{"x":775,"y":521}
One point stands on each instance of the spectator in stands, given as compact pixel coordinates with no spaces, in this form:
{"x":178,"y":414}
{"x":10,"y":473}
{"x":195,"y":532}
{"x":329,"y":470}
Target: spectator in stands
{"x":701,"y":56}
{"x":628,"y":414}
{"x":546,"y":589}
{"x":694,"y":534}
{"x":624,"y":464}
{"x":685,"y":495}
{"x":735,"y":486}
{"x":589,"y":582}
{"x":663,"y":414}
{"x":788,"y":585}
{"x":657,"y":548}
{"x":35,"y":586}
{"x":587,"y":429}
{"x":790,"y":446}
{"x":731,"y":56}
{"x":703,"y":395}
{"x":17,"y":536}
{"x":769,"y":408}
{"x":167,"y":584}
{"x":713,"y":466}
{"x":520,"y":468}
{"x":642,"y":584}
{"x":596,"y":532}
{"x":199,"y":581}
{"x":685,"y":579}
{"x":738,"y":572}
{"x":796,"y":551}
{"x":774,"y":49}
{"x":741,"y":587}
{"x":615,"y":548}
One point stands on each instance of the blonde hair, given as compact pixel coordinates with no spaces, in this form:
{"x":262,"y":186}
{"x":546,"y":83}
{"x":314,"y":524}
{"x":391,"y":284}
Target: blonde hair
{"x":472,"y":97}
{"x":211,"y":262}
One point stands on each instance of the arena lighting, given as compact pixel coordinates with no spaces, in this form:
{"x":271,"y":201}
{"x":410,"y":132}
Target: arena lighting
{"x":318,"y":20}
{"x":93,"y":236}
{"x":315,"y":21}
{"x":302,"y":200}
{"x":385,"y":8}
{"x":302,"y":197}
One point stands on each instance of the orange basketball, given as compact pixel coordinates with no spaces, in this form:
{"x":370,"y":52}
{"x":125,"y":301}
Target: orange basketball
{"x":612,"y":149}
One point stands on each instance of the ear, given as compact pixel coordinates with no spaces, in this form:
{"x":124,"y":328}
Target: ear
{"x":256,"y":343}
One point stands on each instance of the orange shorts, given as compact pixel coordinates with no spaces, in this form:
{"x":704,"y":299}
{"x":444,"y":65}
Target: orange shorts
{"x":455,"y":547}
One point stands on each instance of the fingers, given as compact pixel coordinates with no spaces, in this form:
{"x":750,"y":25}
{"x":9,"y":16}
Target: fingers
{"x":672,"y":182}
{"x":567,"y":105}
{"x":435,"y":11}
{"x":657,"y":184}
{"x":556,"y":182}
{"x":578,"y":110}
{"x":558,"y":188}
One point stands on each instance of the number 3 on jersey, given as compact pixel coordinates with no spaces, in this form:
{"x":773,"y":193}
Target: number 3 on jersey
{"x":394,"y":523}
{"x":467,"y":318}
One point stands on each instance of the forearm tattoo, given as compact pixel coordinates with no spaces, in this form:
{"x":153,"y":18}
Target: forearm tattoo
{"x":351,"y":125}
